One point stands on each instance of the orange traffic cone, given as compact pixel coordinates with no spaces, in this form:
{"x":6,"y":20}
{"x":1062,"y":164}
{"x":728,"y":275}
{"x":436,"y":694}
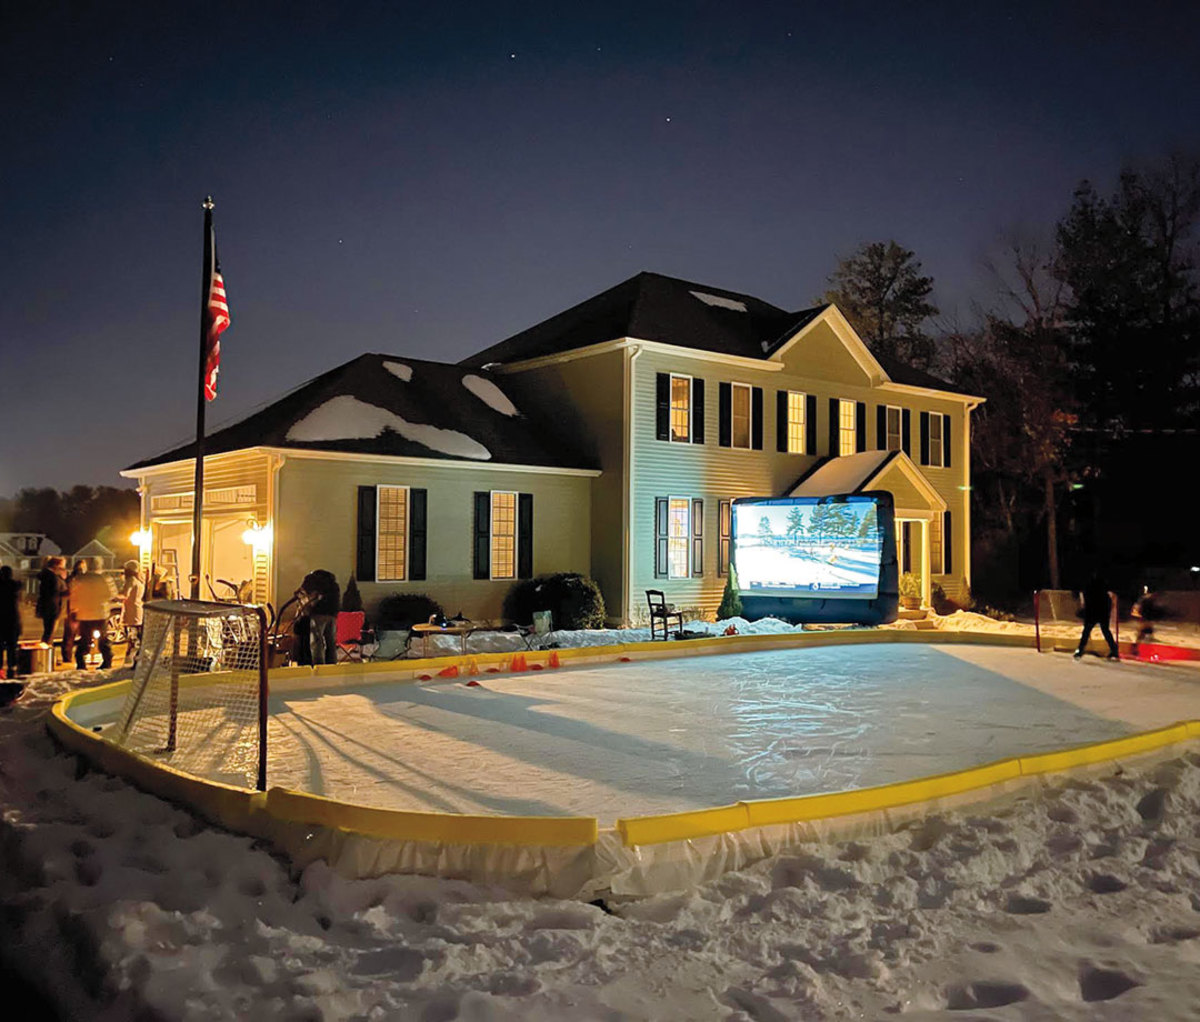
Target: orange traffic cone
{"x":554,"y":661}
{"x":449,"y":672}
{"x":519,"y":664}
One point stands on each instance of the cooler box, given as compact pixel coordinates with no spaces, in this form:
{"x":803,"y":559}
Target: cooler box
{"x":35,"y":658}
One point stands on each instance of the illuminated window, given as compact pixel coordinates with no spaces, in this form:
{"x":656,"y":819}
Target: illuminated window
{"x":847,"y":427}
{"x":740,"y":416}
{"x":504,"y":535}
{"x":391,"y":536}
{"x":679,"y":536}
{"x":795,"y":423}
{"x":895,"y":439}
{"x":681,"y":408}
{"x":935,"y":440}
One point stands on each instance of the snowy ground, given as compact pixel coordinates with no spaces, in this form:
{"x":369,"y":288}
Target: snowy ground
{"x":1077,"y":902}
{"x":666,"y":736}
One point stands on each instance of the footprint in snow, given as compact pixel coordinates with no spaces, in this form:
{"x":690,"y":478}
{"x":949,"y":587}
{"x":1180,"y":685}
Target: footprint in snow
{"x":1019,"y":905}
{"x":1097,"y":984}
{"x":984,"y":994}
{"x":1105,"y":883}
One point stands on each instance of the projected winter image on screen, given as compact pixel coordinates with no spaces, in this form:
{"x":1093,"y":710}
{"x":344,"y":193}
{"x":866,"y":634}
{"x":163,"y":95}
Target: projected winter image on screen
{"x":798,"y":548}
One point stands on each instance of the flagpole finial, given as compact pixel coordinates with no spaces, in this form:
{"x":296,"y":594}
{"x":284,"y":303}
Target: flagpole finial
{"x":208,"y":202}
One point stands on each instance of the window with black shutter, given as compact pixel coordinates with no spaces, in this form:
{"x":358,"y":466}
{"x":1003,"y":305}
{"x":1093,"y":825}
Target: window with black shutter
{"x":697,"y":537}
{"x":947,"y":545}
{"x":906,"y":431}
{"x":661,"y":536}
{"x":881,"y":416}
{"x":860,"y":426}
{"x":525,"y":535}
{"x":724,"y":531}
{"x":662,"y":406}
{"x":924,"y":438}
{"x":810,"y":424}
{"x":418,"y":518}
{"x":945,"y":441}
{"x":725,"y":414}
{"x":756,"y":418}
{"x":697,"y":411}
{"x":834,"y":417}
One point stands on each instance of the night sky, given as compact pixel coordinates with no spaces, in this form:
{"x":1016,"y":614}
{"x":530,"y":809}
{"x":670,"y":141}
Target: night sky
{"x":427,"y":179}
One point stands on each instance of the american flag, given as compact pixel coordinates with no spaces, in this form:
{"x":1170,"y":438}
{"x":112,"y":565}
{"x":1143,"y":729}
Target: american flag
{"x":218,"y":321}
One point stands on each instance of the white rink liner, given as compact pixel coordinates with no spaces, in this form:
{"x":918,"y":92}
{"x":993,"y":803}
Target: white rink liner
{"x":668,"y":736}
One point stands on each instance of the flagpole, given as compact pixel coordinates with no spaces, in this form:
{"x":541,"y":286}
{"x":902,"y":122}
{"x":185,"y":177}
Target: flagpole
{"x":198,"y":487}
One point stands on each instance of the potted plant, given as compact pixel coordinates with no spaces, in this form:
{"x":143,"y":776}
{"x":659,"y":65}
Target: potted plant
{"x":910,"y":591}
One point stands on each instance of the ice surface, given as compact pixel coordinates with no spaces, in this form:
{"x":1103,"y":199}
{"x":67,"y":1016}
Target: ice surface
{"x":489,"y":394}
{"x":399,"y":370}
{"x":348,"y":418}
{"x":666,"y":736}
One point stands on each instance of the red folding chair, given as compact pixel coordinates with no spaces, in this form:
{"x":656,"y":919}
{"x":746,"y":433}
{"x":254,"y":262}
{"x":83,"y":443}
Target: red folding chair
{"x":349,"y":635}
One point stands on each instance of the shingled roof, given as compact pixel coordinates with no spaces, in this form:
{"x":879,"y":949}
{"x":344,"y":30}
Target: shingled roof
{"x":388,"y":405}
{"x":653,"y":307}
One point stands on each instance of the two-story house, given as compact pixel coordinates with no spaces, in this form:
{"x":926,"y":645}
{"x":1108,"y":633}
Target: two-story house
{"x":609,"y":439}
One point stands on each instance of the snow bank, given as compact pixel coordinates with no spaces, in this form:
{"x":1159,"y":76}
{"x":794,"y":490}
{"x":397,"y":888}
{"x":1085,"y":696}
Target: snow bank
{"x":489,"y":394}
{"x":348,"y":418}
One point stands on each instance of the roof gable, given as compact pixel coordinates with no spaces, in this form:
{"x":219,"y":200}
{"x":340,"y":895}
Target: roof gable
{"x":893,"y":471}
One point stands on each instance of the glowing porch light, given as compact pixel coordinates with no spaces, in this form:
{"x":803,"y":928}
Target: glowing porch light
{"x":140,"y":538}
{"x":256,"y":536}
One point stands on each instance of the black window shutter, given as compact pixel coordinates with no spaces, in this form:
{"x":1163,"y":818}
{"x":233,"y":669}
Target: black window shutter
{"x":781,"y":420}
{"x":860,"y":426}
{"x":881,"y":427}
{"x":483,"y":534}
{"x":697,"y":411}
{"x":524,"y":535}
{"x":946,"y":441}
{"x":418,"y":519}
{"x":660,"y":536}
{"x":924,"y":438}
{"x":810,"y":424}
{"x":947,"y":558}
{"x":662,"y":419}
{"x":725,"y":411}
{"x":724,"y":527}
{"x":756,"y":418}
{"x":833,"y":427}
{"x":906,"y":528}
{"x":364,"y":568}
{"x":697,"y":538}
{"x":906,"y":431}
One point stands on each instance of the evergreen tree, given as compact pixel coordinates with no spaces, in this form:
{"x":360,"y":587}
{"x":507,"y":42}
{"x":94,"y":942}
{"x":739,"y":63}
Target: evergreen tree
{"x":731,"y":600}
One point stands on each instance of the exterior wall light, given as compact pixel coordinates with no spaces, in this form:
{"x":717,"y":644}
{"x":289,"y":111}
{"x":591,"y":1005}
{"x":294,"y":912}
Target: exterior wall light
{"x":141,"y":538}
{"x":257,"y":536}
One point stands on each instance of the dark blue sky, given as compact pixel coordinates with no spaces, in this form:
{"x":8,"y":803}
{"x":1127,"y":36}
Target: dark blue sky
{"x":427,"y":179}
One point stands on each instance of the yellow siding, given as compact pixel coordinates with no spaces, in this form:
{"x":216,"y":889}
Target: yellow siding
{"x":317,"y":526}
{"x":595,"y":386}
{"x":821,"y":354}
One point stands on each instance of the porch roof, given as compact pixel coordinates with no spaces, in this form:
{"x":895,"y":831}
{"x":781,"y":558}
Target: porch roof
{"x":893,"y":471}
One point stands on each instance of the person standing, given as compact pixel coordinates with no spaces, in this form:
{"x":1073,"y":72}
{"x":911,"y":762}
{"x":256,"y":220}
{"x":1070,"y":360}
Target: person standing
{"x":52,"y":592}
{"x":10,"y":621}
{"x":324,"y":598}
{"x":1097,"y":609}
{"x":132,"y":598}
{"x":91,"y":596}
{"x":70,"y":618}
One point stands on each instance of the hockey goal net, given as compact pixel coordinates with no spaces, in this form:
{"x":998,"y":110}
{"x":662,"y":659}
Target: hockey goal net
{"x":1058,"y":614}
{"x":198,"y":700}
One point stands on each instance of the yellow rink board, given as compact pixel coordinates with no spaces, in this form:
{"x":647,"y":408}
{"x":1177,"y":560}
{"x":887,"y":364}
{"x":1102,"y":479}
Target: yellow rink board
{"x":239,"y":809}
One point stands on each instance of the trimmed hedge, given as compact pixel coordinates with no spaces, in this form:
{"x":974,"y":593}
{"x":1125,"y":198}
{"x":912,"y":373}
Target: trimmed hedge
{"x":403,"y":610}
{"x":574,"y":600}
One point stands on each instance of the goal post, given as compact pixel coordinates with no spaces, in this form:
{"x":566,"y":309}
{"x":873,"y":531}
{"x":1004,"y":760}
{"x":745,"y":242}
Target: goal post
{"x":1063,"y":608}
{"x":198,"y":699}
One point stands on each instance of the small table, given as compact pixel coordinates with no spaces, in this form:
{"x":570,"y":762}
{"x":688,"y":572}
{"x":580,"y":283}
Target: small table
{"x":462,"y":631}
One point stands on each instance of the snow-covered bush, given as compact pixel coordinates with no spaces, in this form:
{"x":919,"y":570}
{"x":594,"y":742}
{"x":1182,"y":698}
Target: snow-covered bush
{"x":573,"y":600}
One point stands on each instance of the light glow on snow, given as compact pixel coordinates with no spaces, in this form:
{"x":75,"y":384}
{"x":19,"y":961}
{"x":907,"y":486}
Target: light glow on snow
{"x":489,"y":394}
{"x":348,"y":418}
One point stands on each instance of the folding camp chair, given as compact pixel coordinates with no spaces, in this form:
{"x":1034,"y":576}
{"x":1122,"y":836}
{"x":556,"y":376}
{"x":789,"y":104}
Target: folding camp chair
{"x":349,"y":635}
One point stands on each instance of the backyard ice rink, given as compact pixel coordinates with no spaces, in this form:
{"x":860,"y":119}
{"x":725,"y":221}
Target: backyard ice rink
{"x":639,"y":738}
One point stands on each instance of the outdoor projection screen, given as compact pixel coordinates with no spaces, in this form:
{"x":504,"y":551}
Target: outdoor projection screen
{"x":819,"y":559}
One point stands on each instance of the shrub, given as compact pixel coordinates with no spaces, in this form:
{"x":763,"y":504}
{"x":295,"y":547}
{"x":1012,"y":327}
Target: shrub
{"x":403,"y":610}
{"x":574,"y":600}
{"x":731,"y":600}
{"x":910,"y":585}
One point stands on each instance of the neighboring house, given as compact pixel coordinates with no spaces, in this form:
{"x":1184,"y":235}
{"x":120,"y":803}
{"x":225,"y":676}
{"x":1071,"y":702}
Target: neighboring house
{"x":24,"y":552}
{"x":608,"y":440}
{"x":95,"y":551}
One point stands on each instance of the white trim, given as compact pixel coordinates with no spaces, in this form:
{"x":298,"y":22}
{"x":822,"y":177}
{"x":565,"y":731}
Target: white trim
{"x":687,"y":538}
{"x":397,"y":459}
{"x":946,"y":395}
{"x":627,"y":569}
{"x":407,"y":528}
{"x":657,"y":347}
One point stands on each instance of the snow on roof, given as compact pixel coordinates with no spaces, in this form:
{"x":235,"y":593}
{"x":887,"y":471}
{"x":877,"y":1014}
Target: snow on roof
{"x":841,"y":475}
{"x":348,"y":418}
{"x":718,"y":301}
{"x":399,"y":370}
{"x":489,"y":394}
